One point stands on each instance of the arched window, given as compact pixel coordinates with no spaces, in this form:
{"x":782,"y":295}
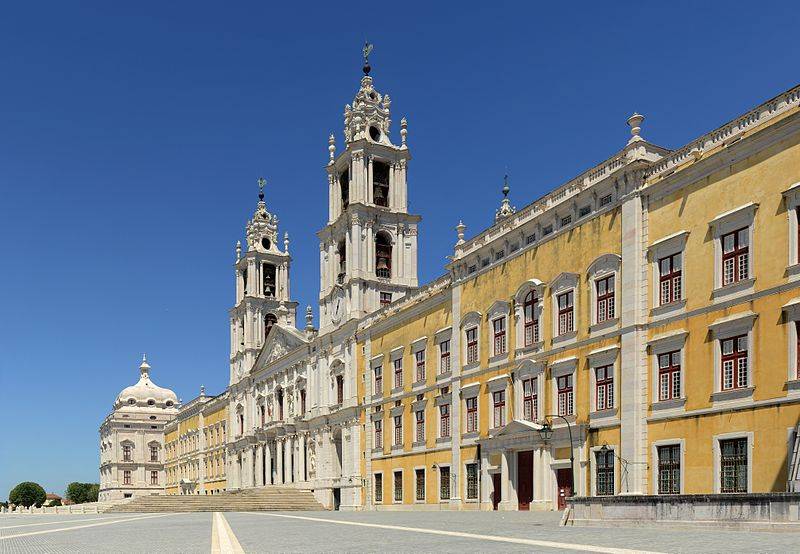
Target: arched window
{"x":269,"y":321}
{"x":380,"y":183}
{"x":268,"y":275}
{"x":531,"y":321}
{"x":279,"y":398}
{"x":344,"y":186}
{"x":341,"y":250}
{"x":383,"y":255}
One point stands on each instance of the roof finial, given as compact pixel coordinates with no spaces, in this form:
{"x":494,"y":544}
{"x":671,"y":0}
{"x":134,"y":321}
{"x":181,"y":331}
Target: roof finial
{"x":506,"y":188}
{"x":635,"y":123}
{"x":261,"y":183}
{"x":309,"y":319}
{"x":202,"y":390}
{"x":366,"y":51}
{"x":238,"y":250}
{"x":144,"y":369}
{"x":460,"y":232}
{"x":286,"y":241}
{"x":331,"y":148}
{"x":403,"y":131}
{"x":506,"y":209}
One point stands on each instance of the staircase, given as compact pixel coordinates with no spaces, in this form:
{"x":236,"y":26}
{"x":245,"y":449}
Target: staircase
{"x":271,"y":498}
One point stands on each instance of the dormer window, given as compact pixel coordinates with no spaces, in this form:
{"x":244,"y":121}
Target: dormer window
{"x":151,"y":402}
{"x":383,"y":255}
{"x":169,"y":403}
{"x":268,"y":275}
{"x":131,"y":401}
{"x":380,"y":183}
{"x":344,"y":186}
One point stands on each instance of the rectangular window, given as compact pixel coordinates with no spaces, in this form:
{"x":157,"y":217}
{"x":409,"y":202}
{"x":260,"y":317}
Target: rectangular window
{"x":378,"y":487}
{"x":126,"y":477}
{"x":529,"y":399}
{"x":419,"y":358}
{"x":604,"y":386}
{"x":605,"y":200}
{"x":547,"y":230}
{"x":444,"y":421}
{"x":499,"y":400}
{"x":472,"y":481}
{"x":670,"y":279}
{"x":565,"y":398}
{"x":378,"y":424}
{"x":472,"y":414}
{"x":499,"y":255}
{"x":472,"y":269}
{"x":420,"y":425}
{"x":734,"y":362}
{"x":566,"y":220}
{"x":126,"y":453}
{"x":735,"y":252}
{"x":530,"y":239}
{"x":420,"y":484}
{"x":669,"y":469}
{"x":669,"y":375}
{"x":604,"y":477}
{"x":584,"y":211}
{"x":444,"y":356}
{"x":499,"y":326}
{"x":398,"y":486}
{"x":262,"y":411}
{"x":378,"y":376}
{"x":302,"y":401}
{"x":733,"y":465}
{"x":153,"y":453}
{"x":339,"y":389}
{"x":386,"y":298}
{"x":398,"y":373}
{"x":531,"y":330}
{"x":154,"y":477}
{"x":444,"y":483}
{"x":398,"y":430}
{"x":472,"y":345}
{"x":605,"y":298}
{"x":566,"y":321}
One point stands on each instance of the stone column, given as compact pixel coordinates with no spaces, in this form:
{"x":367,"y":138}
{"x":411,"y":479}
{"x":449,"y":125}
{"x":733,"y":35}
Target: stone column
{"x":267,"y":463}
{"x":259,"y":466}
{"x":287,"y":460}
{"x":302,"y":459}
{"x":279,"y":461}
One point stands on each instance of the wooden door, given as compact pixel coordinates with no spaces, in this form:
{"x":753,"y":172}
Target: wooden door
{"x":524,"y":479}
{"x":564,"y":479}
{"x":496,"y":496}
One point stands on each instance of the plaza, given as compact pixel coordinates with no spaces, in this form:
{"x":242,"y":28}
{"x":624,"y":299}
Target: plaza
{"x":444,"y":531}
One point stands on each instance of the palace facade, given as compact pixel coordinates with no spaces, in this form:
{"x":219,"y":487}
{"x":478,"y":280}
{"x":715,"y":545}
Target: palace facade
{"x":634,"y":331}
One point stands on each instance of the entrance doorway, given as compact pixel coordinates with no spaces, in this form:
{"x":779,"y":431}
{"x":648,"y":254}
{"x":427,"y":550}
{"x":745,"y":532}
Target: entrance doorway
{"x":525,"y":479}
{"x":564,"y":479}
{"x":337,"y":498}
{"x":496,"y":492}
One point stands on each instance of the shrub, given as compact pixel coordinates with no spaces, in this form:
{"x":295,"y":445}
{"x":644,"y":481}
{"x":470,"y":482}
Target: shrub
{"x":27,"y":494}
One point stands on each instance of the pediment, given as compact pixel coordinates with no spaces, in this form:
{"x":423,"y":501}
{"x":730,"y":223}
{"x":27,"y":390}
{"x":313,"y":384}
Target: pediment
{"x":280,"y":342}
{"x":517,"y":426}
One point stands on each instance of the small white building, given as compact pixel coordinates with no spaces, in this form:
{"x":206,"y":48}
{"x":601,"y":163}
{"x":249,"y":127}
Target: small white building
{"x":132,"y":440}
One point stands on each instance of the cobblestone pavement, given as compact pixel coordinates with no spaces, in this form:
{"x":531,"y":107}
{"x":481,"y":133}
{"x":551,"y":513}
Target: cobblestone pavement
{"x":359,"y":532}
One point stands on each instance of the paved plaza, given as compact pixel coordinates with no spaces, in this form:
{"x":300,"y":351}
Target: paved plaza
{"x":359,"y":532}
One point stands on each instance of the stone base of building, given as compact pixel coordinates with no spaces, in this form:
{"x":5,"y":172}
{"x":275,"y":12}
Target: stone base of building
{"x":755,"y":512}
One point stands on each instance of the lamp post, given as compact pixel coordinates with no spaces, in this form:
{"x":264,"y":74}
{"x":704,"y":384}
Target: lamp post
{"x":546,"y":433}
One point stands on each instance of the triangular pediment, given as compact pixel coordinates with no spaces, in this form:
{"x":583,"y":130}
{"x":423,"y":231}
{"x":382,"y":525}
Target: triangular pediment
{"x":281,"y":341}
{"x":517,"y":426}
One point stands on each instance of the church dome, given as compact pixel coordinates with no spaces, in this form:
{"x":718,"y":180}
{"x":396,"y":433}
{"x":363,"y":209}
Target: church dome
{"x":145,"y":392}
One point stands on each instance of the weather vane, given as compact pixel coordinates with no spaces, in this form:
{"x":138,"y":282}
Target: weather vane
{"x":367,"y":51}
{"x":261,"y":183}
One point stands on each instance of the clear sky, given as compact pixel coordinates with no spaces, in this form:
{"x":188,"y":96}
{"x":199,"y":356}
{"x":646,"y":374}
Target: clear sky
{"x":132,"y":135}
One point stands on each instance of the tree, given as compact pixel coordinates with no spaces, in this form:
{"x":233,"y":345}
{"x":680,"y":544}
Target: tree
{"x":55,"y":502}
{"x":27,"y":494}
{"x":79,"y":493}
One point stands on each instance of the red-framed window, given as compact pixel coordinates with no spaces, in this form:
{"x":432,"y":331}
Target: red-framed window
{"x":126,"y":477}
{"x":126,"y":452}
{"x":530,"y":399}
{"x":604,"y":387}
{"x":734,"y":362}
{"x":379,"y":487}
{"x":472,"y":345}
{"x":472,"y":414}
{"x":377,"y":371}
{"x":566,"y":312}
{"x":605,"y":298}
{"x":499,"y":403}
{"x":444,"y":356}
{"x":398,"y":430}
{"x":565,"y":395}
{"x":669,"y":375}
{"x":420,"y":484}
{"x":604,"y":472}
{"x":153,"y":453}
{"x":420,"y":426}
{"x":154,"y":477}
{"x":444,"y":421}
{"x":531,"y":331}
{"x":339,"y":389}
{"x":378,"y":424}
{"x":499,"y":326}
{"x":419,"y":359}
{"x":733,"y":465}
{"x":386,"y":298}
{"x":669,"y":469}
{"x":670,"y":278}
{"x":735,"y":256}
{"x":398,"y":373}
{"x":398,"y":486}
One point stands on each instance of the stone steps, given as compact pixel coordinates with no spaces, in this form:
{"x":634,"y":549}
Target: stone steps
{"x":250,"y":500}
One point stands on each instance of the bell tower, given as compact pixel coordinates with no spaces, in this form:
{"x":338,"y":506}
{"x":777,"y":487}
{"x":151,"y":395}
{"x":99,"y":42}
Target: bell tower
{"x":368,"y":249}
{"x":262,"y":288}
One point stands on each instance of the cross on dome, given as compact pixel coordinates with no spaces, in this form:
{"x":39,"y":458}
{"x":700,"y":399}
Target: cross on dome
{"x":263,"y":225}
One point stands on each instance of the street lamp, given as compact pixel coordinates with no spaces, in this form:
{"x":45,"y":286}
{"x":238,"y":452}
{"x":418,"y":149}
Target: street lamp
{"x":546,"y":432}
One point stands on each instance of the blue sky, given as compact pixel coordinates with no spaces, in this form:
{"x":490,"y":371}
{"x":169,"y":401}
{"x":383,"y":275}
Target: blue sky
{"x":132,"y":135}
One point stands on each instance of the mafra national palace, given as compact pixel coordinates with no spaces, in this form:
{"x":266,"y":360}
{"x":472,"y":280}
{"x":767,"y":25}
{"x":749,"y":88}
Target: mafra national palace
{"x":636,"y":331}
